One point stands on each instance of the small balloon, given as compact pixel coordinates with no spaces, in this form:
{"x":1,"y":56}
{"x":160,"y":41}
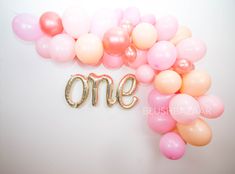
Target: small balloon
{"x":148,"y":18}
{"x":112,"y":62}
{"x":132,"y":14}
{"x":126,"y":25}
{"x":43,"y":46}
{"x":183,"y":66}
{"x":141,"y":59}
{"x":130,"y":54}
{"x":144,"y":74}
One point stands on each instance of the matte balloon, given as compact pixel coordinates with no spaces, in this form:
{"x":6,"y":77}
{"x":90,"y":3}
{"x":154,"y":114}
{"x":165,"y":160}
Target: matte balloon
{"x":162,"y":55}
{"x":126,"y":25}
{"x":26,"y":27}
{"x":184,"y":108}
{"x":43,"y":46}
{"x":112,"y":62}
{"x":167,"y":27}
{"x":182,"y":33}
{"x":183,"y":66}
{"x":132,"y":14}
{"x":141,"y":59}
{"x":196,"y":83}
{"x":197,"y":133}
{"x":76,"y":22}
{"x":191,"y":49}
{"x":211,"y":106}
{"x":172,"y":146}
{"x":144,"y":74}
{"x":149,"y":18}
{"x":62,"y":48}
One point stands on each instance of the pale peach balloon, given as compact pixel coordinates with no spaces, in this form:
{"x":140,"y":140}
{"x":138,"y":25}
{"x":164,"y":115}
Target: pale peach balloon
{"x":167,"y":82}
{"x":182,"y":33}
{"x":89,"y":49}
{"x":196,"y":83}
{"x":197,"y":133}
{"x":144,"y":35}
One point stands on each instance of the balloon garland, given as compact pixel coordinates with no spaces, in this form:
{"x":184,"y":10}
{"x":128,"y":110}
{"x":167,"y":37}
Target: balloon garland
{"x":162,"y":53}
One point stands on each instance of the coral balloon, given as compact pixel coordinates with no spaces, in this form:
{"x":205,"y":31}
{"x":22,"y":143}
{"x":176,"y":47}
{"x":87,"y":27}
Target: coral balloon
{"x":183,"y":66}
{"x":184,"y":108}
{"x":51,"y":23}
{"x":167,"y":82}
{"x":76,"y":22}
{"x":191,"y":49}
{"x":172,"y":146}
{"x":182,"y":33}
{"x":167,"y":27}
{"x":43,"y":46}
{"x":162,"y":55}
{"x":132,"y":14}
{"x":26,"y":27}
{"x":197,"y":133}
{"x":130,"y":54}
{"x":115,"y":41}
{"x":144,"y":35}
{"x":211,"y":106}
{"x":62,"y":48}
{"x":112,"y":62}
{"x":196,"y":83}
{"x":144,"y":74}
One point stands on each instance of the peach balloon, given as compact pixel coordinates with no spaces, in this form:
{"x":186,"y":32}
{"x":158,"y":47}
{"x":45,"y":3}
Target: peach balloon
{"x":182,"y":33}
{"x":197,"y":133}
{"x":89,"y":49}
{"x":167,"y":82}
{"x":196,"y":83}
{"x":144,"y":35}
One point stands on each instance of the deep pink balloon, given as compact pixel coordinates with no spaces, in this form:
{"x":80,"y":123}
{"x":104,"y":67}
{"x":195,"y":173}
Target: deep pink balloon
{"x":183,"y":66}
{"x":26,"y":27}
{"x":51,"y":23}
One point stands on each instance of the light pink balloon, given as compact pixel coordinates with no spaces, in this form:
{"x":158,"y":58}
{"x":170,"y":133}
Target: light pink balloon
{"x":112,"y":62}
{"x":161,"y":122}
{"x":103,"y":20}
{"x":149,"y":18}
{"x":62,"y":48}
{"x":159,"y":102}
{"x":140,"y":59}
{"x":172,"y":146}
{"x":167,"y":27}
{"x":26,"y":27}
{"x":42,"y":46}
{"x":132,"y":14}
{"x":76,"y":22}
{"x":184,"y":108}
{"x":191,"y":49}
{"x":144,"y":74}
{"x":211,"y":106}
{"x":162,"y":55}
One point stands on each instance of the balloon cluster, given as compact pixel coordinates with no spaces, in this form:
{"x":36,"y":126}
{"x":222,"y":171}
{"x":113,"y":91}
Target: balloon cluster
{"x":162,"y":53}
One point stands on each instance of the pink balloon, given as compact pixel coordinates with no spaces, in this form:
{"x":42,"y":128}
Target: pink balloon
{"x":112,"y":62}
{"x":161,"y":122}
{"x":159,"y":102}
{"x":211,"y":106}
{"x":191,"y":49}
{"x":42,"y":46}
{"x":172,"y":146}
{"x":26,"y":27}
{"x":144,"y":74}
{"x":132,"y":14}
{"x":126,"y":25}
{"x":162,"y":55}
{"x":184,"y":108}
{"x":62,"y":48}
{"x":148,"y":18}
{"x":141,"y":59}
{"x":166,"y":27}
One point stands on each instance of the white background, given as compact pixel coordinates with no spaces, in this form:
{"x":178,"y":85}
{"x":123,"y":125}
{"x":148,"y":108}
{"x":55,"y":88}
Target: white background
{"x":41,"y":134}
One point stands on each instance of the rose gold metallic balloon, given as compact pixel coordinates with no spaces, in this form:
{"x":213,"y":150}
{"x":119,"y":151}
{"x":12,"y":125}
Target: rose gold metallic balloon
{"x":115,"y":41}
{"x":126,"y":25}
{"x":130,"y":54}
{"x":183,"y":66}
{"x":51,"y":23}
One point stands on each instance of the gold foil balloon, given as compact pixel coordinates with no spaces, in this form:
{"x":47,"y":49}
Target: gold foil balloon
{"x":197,"y":133}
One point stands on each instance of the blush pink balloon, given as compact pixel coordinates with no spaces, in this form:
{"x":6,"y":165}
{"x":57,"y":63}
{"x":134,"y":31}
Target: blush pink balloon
{"x":112,"y":62}
{"x":167,"y":27}
{"x":162,"y":55}
{"x":144,"y":74}
{"x":141,"y":59}
{"x":172,"y":146}
{"x":148,"y":18}
{"x":191,"y":49}
{"x":26,"y":27}
{"x":62,"y":48}
{"x":132,"y":14}
{"x":42,"y":46}
{"x":159,"y":102}
{"x":126,"y":25}
{"x":184,"y":108}
{"x":211,"y":106}
{"x":161,"y":122}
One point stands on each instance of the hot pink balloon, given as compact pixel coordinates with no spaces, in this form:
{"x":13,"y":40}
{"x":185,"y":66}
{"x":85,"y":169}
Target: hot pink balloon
{"x":191,"y":49}
{"x":112,"y":62}
{"x":148,"y":18}
{"x":26,"y":27}
{"x":141,"y":59}
{"x":161,"y":122}
{"x":162,"y":55}
{"x":132,"y":14}
{"x":172,"y":146}
{"x":211,"y":106}
{"x":167,"y":27}
{"x":43,"y":45}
